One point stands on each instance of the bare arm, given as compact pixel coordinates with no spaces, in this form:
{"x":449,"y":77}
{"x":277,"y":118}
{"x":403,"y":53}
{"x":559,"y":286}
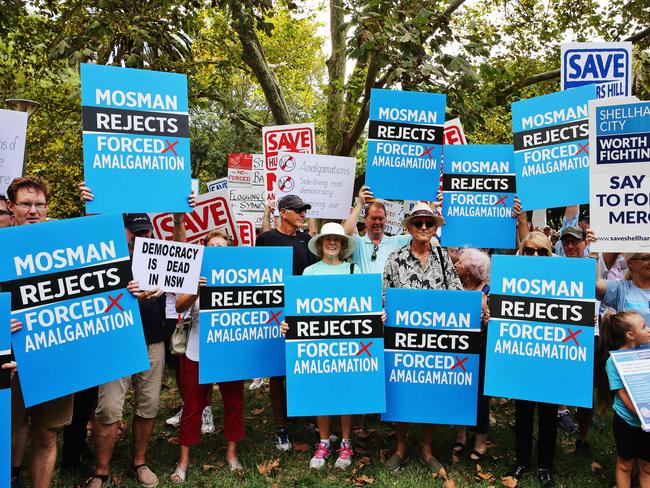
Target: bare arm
{"x":571,"y":211}
{"x":350,"y":225}
{"x":184,"y":301}
{"x":269,"y":209}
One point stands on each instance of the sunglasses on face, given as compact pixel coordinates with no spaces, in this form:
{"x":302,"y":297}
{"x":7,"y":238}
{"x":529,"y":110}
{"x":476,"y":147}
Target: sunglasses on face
{"x":427,"y":223}
{"x":531,"y":251}
{"x":640,"y":258}
{"x":375,"y":248}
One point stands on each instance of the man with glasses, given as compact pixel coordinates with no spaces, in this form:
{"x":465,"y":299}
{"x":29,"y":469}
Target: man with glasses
{"x":28,"y":198}
{"x":6,"y":217}
{"x":372,"y":250}
{"x":292,"y":213}
{"x":419,"y":265}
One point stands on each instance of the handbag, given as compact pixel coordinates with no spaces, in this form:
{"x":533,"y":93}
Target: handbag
{"x":178,"y":340}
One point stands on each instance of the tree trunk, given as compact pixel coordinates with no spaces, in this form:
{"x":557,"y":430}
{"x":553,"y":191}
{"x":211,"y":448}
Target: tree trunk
{"x":336,"y":72}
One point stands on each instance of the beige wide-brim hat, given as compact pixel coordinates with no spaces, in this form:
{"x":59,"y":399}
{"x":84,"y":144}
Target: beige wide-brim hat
{"x":423,"y":209}
{"x":332,"y":229}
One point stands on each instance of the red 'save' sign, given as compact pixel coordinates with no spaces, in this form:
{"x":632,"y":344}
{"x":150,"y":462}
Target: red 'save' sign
{"x":246,"y":230}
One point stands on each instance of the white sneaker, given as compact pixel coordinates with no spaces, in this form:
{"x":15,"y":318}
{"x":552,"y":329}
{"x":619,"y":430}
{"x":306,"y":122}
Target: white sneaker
{"x":256,"y":384}
{"x":282,"y":442}
{"x":175,"y":420}
{"x":344,"y":461}
{"x":207,"y":422}
{"x":320,"y":456}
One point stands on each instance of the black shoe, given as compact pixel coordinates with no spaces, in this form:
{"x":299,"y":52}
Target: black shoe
{"x":566,"y":422}
{"x":517,"y":471}
{"x":545,"y":478}
{"x":582,"y":448}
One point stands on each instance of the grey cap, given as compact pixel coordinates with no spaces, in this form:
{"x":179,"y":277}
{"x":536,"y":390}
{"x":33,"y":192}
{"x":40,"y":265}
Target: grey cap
{"x":292,"y":202}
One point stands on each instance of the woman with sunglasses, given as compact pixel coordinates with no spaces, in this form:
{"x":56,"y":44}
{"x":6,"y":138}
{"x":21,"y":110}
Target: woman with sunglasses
{"x":535,"y":244}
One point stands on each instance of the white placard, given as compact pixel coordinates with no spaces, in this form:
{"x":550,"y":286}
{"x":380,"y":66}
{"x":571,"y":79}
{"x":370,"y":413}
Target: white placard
{"x":174,"y":267}
{"x":216,"y":185}
{"x":258,"y":177}
{"x":325,"y":182}
{"x":13,"y":130}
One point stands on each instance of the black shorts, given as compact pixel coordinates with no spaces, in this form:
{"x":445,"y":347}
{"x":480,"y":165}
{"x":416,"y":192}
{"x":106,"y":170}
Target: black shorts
{"x":631,"y":442}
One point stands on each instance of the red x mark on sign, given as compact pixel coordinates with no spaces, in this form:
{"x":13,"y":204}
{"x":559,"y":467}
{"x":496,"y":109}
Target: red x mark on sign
{"x":170,"y":147}
{"x":502,"y":199}
{"x":364,"y":348}
{"x":285,"y":182}
{"x":274,"y":316}
{"x":427,"y":152}
{"x":583,"y":148}
{"x":459,"y":362}
{"x":114,"y":302}
{"x":572,"y":335}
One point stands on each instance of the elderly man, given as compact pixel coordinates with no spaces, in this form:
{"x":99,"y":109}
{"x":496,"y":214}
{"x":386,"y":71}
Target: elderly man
{"x":6,"y":217}
{"x":421,"y":265}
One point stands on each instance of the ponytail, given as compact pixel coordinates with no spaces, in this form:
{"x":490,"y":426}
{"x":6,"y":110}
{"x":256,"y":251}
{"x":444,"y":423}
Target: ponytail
{"x":615,"y":325}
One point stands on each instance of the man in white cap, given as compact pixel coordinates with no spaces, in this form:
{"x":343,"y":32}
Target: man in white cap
{"x":424,"y":266}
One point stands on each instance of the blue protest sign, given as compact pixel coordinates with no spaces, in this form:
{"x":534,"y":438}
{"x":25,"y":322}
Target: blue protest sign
{"x":620,"y":174}
{"x":136,"y":140}
{"x":551,"y":139}
{"x":5,"y":391}
{"x":405,"y":138}
{"x":608,"y":65}
{"x":335,"y":344}
{"x":432,"y":341}
{"x":241,"y":312}
{"x":81,"y":327}
{"x":540,"y":344}
{"x":633,"y":365}
{"x":478,"y":188}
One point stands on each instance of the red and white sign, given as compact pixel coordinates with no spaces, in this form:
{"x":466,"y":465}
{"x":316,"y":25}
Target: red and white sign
{"x":246,"y":230}
{"x":240,"y":169}
{"x":212,"y":212}
{"x":297,"y":138}
{"x":453,"y":132}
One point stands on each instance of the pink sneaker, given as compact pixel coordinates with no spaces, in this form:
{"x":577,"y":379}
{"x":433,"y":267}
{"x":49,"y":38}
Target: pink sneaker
{"x":344,"y":460}
{"x":320,"y":456}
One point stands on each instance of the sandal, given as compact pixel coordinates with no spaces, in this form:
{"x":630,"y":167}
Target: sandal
{"x":476,"y":456}
{"x":458,"y":449}
{"x":179,"y":475}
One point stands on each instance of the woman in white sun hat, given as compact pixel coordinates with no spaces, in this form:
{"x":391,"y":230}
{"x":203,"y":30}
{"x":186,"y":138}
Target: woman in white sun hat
{"x":332,"y":246}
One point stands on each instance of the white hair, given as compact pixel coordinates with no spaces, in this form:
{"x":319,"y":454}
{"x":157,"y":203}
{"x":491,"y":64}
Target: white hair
{"x":479,"y":263}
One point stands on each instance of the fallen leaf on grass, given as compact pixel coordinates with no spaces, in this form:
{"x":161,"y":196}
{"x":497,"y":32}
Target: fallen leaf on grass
{"x":360,"y":464}
{"x":364,"y":434}
{"x":486,"y":476}
{"x":116,"y":479}
{"x":450,"y":484}
{"x":383,"y":455}
{"x":173,"y":440}
{"x":265,"y":468}
{"x":240,"y":474}
{"x":300,"y":446}
{"x":257,"y":411}
{"x":363,"y":480}
{"x":208,"y":467}
{"x":595,"y":467}
{"x":509,"y":482}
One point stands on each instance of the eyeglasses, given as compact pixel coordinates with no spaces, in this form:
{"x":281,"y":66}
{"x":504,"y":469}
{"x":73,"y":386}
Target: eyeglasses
{"x":299,"y":211}
{"x":28,"y":205}
{"x":375,"y":248}
{"x":640,"y":258}
{"x":427,"y":223}
{"x":531,"y":251}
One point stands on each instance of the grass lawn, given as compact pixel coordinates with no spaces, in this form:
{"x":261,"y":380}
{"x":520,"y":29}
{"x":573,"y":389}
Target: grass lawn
{"x":375,"y":442}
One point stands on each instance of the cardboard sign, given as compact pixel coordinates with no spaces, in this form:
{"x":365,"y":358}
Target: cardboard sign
{"x":13,"y":133}
{"x":394,"y":216}
{"x":216,"y":185}
{"x":432,"y":341}
{"x":549,"y":358}
{"x":608,"y":65}
{"x":240,"y":169}
{"x":212,"y":212}
{"x":620,"y":175}
{"x":551,"y":135}
{"x":5,"y":391}
{"x":258,"y":174}
{"x":68,"y":288}
{"x":248,"y":200}
{"x":241,"y":310}
{"x":634,"y":368}
{"x":173,"y":267}
{"x":335,"y":344}
{"x":136,"y":139}
{"x":295,"y":138}
{"x":325,"y":182}
{"x":405,"y":138}
{"x":453,"y":132}
{"x":478,"y":196}
{"x":246,"y":230}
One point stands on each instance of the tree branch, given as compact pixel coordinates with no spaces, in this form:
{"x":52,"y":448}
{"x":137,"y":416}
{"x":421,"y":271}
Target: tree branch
{"x":642,"y":34}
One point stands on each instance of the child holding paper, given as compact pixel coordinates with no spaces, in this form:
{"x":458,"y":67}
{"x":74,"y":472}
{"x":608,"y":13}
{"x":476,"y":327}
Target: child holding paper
{"x":625,"y":330}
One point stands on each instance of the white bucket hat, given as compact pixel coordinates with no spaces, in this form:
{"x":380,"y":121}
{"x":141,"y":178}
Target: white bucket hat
{"x":423,"y":209}
{"x":332,"y":229}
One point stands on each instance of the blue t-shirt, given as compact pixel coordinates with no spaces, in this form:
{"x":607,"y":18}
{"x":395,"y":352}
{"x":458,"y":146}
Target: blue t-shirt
{"x":615,"y":384}
{"x":625,"y":295}
{"x":363,"y":253}
{"x":322,"y":268}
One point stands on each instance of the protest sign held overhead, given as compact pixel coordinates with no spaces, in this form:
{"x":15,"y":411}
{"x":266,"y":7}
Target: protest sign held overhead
{"x":258,"y":174}
{"x":608,"y":65}
{"x":242,"y":308}
{"x":248,"y":201}
{"x":218,"y":184}
{"x":326,"y":182}
{"x":68,"y":288}
{"x":405,"y":138}
{"x":478,"y":196}
{"x":633,"y":366}
{"x":246,"y":228}
{"x":540,"y":344}
{"x":551,"y":139}
{"x":240,"y":169}
{"x":453,"y":132}
{"x":432,"y":342}
{"x":13,"y":132}
{"x":212,"y":212}
{"x":5,"y":392}
{"x":296,"y":138}
{"x":173,"y":267}
{"x":136,"y":139}
{"x":335,"y":344}
{"x":620,"y":175}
